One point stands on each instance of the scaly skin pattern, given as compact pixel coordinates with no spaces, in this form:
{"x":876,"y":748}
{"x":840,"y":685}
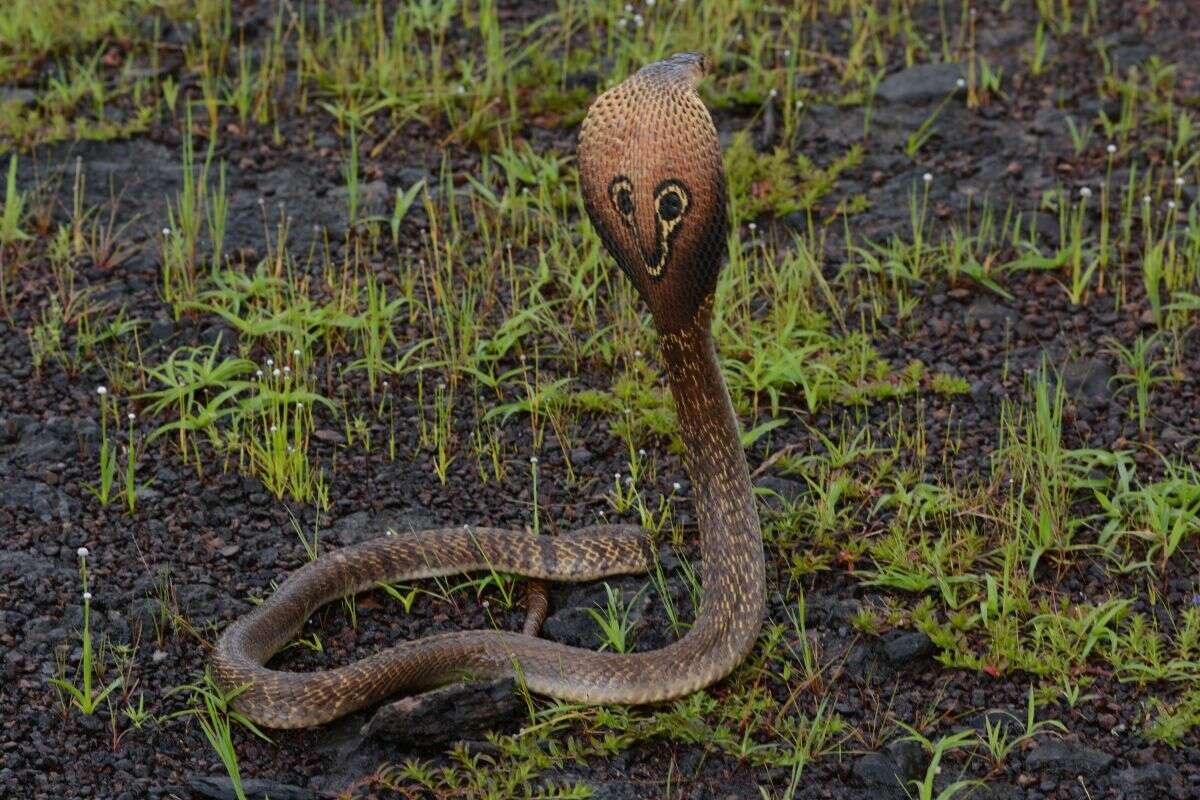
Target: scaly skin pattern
{"x":654,"y":188}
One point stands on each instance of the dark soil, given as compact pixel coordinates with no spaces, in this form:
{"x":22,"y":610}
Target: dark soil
{"x":204,"y":543}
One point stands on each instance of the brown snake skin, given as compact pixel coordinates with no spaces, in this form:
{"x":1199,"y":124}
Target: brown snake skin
{"x":654,"y":188}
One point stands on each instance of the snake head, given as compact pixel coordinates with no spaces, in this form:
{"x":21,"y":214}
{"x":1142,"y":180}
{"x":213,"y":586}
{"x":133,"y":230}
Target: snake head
{"x":654,"y":186}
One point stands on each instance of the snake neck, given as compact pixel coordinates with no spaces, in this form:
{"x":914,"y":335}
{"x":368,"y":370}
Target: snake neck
{"x":731,"y":609}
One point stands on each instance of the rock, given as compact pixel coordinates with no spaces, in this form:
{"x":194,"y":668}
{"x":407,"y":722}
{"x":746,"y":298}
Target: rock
{"x":221,"y":788}
{"x":922,"y":83}
{"x":572,"y":626}
{"x":13,"y":94}
{"x":901,"y":648}
{"x":57,"y":439}
{"x":782,"y":491}
{"x":887,"y":772}
{"x":1129,"y":56}
{"x":1088,"y":378}
{"x":616,"y":790}
{"x":457,"y":711}
{"x":1068,"y":758}
{"x":362,"y":526}
{"x":1150,"y":780}
{"x":985,"y":308}
{"x":36,"y":498}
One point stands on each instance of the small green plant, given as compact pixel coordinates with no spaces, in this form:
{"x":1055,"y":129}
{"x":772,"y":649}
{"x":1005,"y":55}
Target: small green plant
{"x":88,"y":695}
{"x":102,"y":490}
{"x":14,"y":207}
{"x":925,"y":789}
{"x":616,"y":629}
{"x":1140,"y":374}
{"x":210,"y":706}
{"x":998,"y":739}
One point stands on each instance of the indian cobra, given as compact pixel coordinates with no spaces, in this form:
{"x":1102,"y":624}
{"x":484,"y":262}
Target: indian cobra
{"x":654,"y":187}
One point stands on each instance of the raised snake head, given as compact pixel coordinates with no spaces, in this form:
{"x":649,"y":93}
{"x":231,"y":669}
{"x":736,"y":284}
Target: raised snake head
{"x":654,"y":186}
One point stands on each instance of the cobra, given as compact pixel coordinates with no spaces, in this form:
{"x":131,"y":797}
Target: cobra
{"x":654,"y":188}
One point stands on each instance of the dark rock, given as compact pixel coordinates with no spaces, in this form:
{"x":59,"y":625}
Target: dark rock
{"x":457,"y":711}
{"x":616,"y":790}
{"x":1129,"y":56}
{"x":1150,"y":780}
{"x":572,"y":626}
{"x":362,"y":526}
{"x":985,"y":308}
{"x":1087,"y":378}
{"x":1068,"y":758}
{"x":39,"y":499}
{"x":57,"y":439}
{"x":221,"y":788}
{"x":901,"y":648}
{"x":781,"y":491}
{"x":922,"y":83}
{"x":887,"y":772}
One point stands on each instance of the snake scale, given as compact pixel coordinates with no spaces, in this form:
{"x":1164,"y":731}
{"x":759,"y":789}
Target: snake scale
{"x":654,"y":188}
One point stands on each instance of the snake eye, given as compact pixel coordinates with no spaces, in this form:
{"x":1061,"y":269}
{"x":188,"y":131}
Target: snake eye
{"x":621,"y":192}
{"x":671,"y":201}
{"x":669,"y":206}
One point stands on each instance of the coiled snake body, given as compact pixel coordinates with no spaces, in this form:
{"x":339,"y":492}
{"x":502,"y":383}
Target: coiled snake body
{"x":654,"y":188}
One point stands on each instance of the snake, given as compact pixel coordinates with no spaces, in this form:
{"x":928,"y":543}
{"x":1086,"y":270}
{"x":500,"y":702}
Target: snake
{"x":654,"y":189}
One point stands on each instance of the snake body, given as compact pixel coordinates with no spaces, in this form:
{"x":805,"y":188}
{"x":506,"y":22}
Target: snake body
{"x":654,"y":189}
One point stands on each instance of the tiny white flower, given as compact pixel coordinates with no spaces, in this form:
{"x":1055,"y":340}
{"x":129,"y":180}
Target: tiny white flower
{"x":1085,"y":192}
{"x":960,"y":83}
{"x":637,"y":353}
{"x":485,"y":604}
{"x":738,"y":38}
{"x":274,"y":429}
{"x":258,"y":373}
{"x":158,"y":656}
{"x":299,"y":404}
{"x":799,"y":104}
{"x":1112,"y":148}
{"x":637,"y":20}
{"x":1146,"y":199}
{"x":650,"y":3}
{"x":773,"y":93}
{"x":533,"y":460}
{"x":621,"y":22}
{"x":101,"y":390}
{"x":132,"y":416}
{"x":1179,"y":181}
{"x":276,"y":372}
{"x":166,"y":231}
{"x":462,"y":89}
{"x":787,"y":53}
{"x":927,"y":177}
{"x":82,"y":552}
{"x":262,"y":201}
{"x":628,"y":8}
{"x":1170,"y":205}
{"x":753,"y":227}
{"x":616,"y":476}
{"x":287,"y":368}
{"x":677,"y":486}
{"x":296,"y":353}
{"x":641,"y":452}
{"x":87,"y":596}
{"x":270,"y":362}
